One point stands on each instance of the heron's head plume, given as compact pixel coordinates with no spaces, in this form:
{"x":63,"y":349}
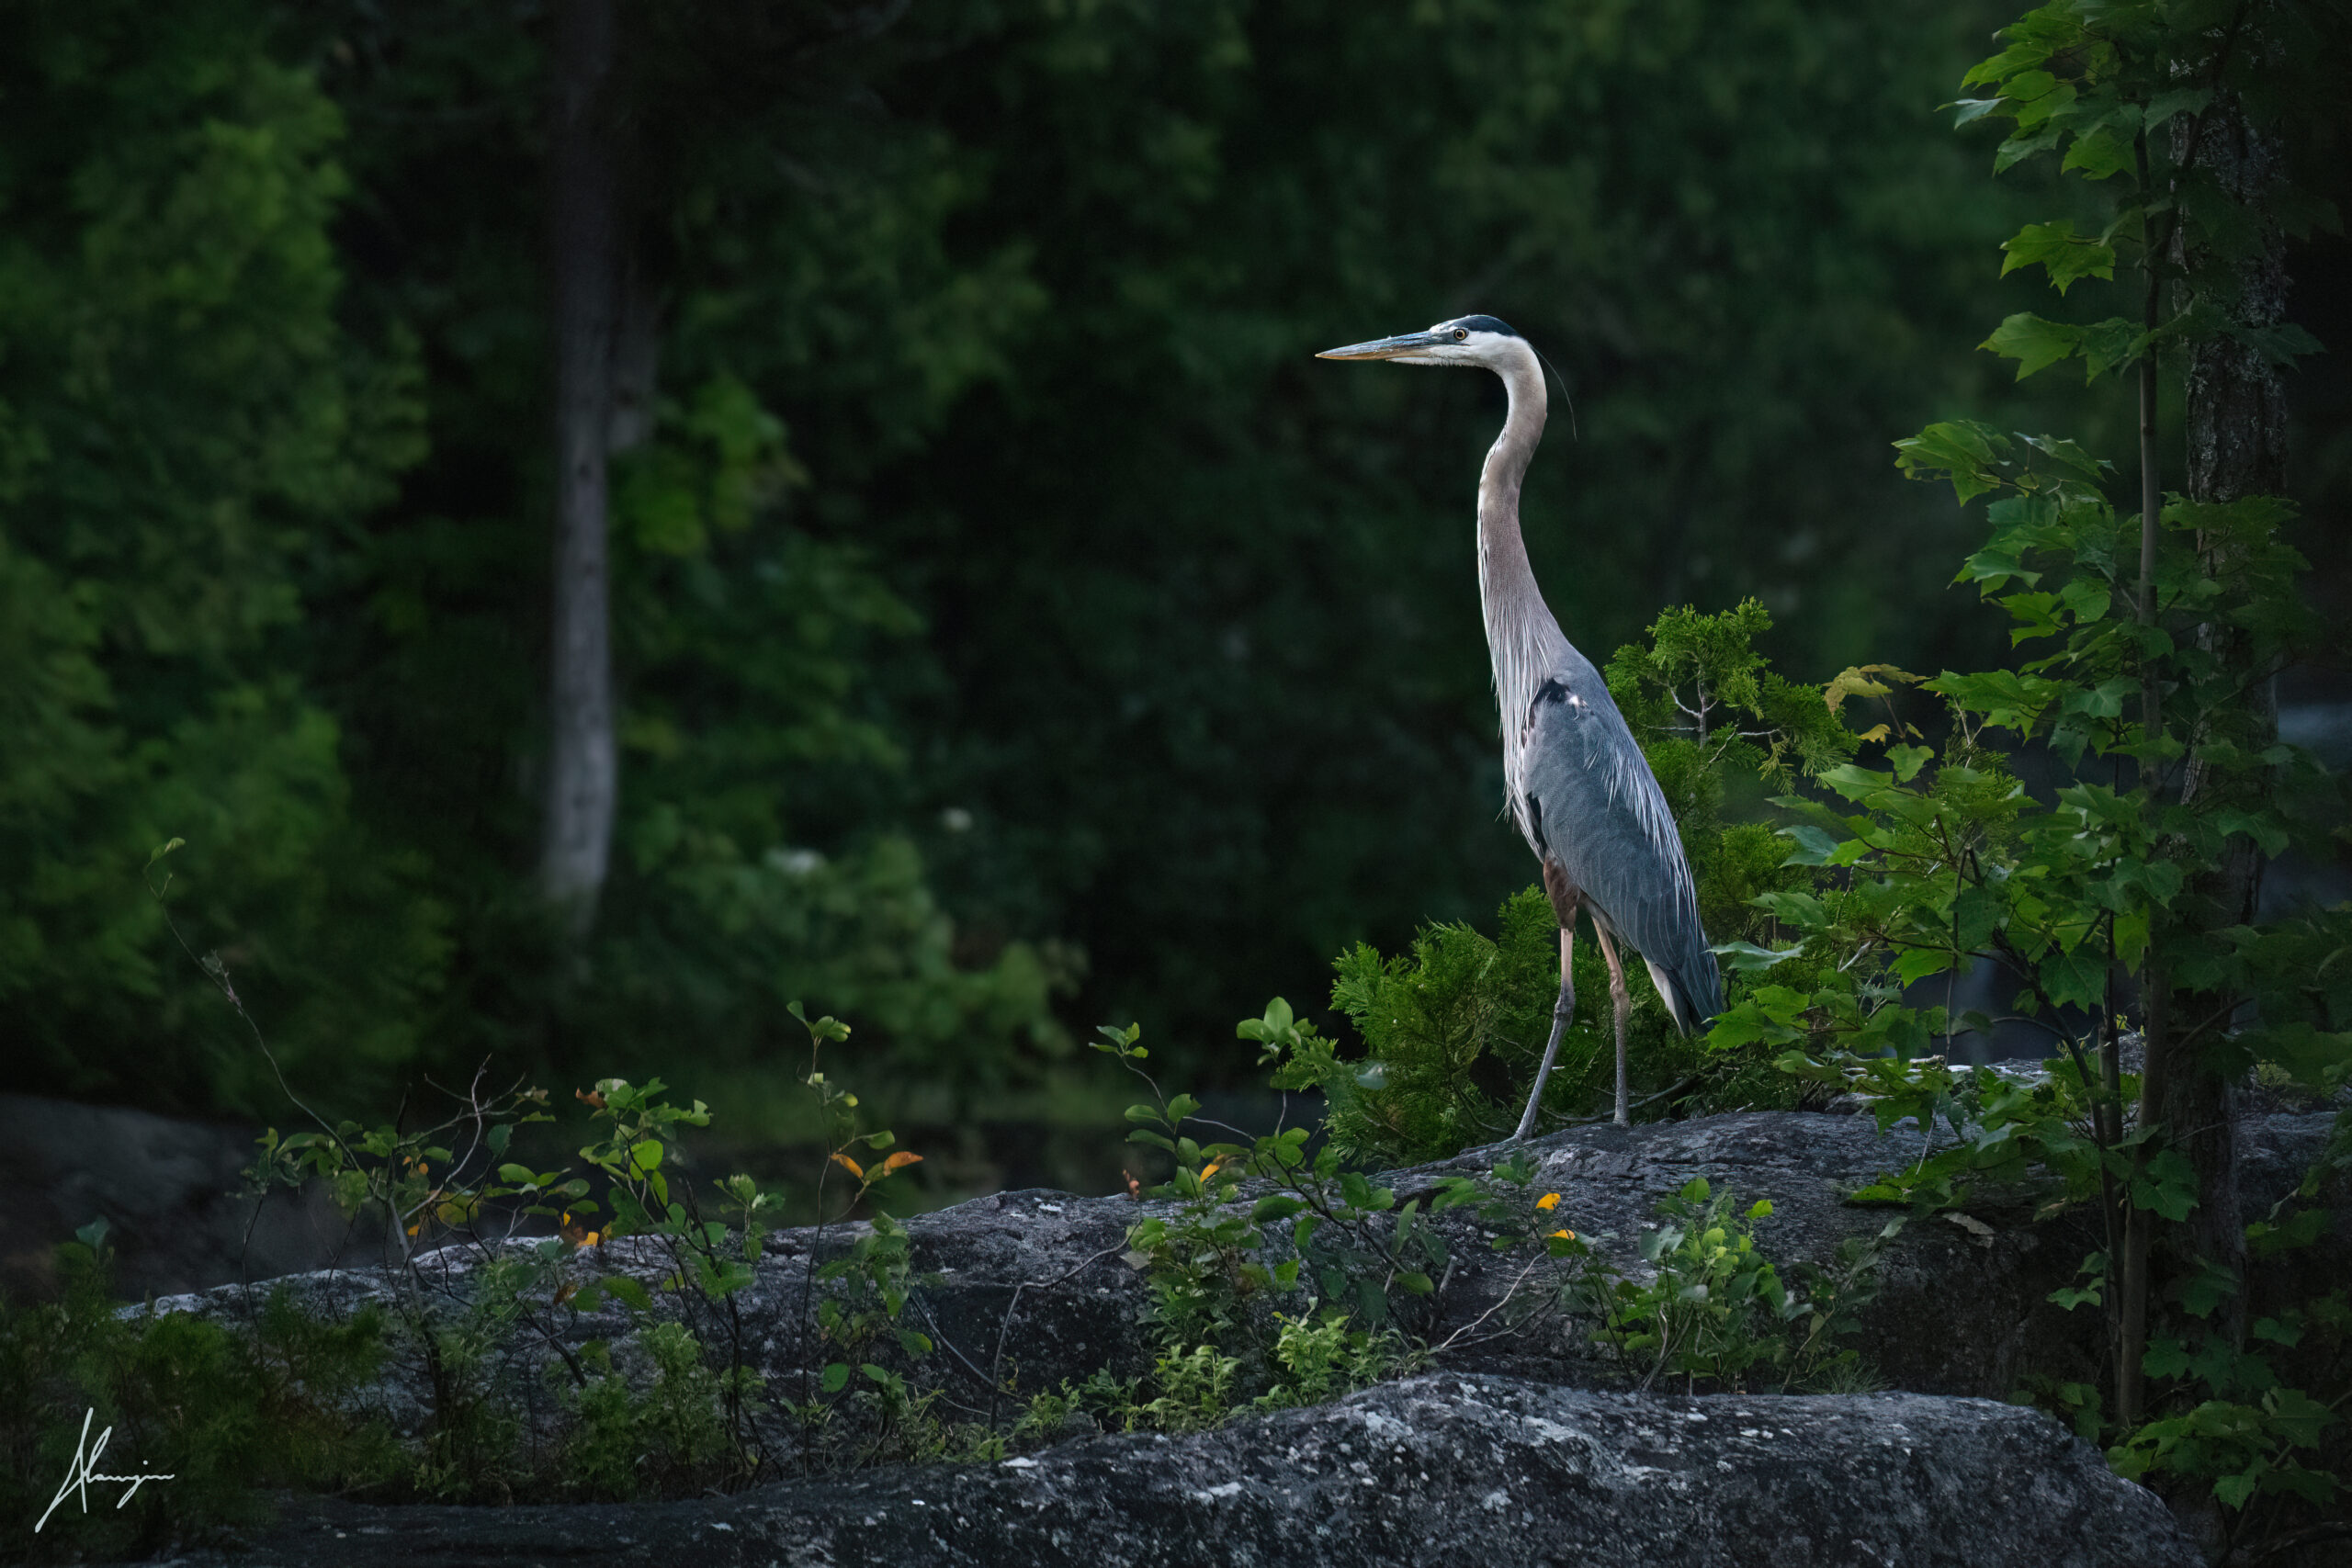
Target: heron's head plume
{"x":1479,"y":341}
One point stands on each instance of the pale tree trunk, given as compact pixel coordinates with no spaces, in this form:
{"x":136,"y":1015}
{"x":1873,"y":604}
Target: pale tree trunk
{"x":582,"y":775}
{"x":2237,"y":447}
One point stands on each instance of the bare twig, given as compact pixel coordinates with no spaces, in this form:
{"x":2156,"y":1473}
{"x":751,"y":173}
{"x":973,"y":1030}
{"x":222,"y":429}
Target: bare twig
{"x":2280,"y":1545}
{"x":1500,"y":1302}
{"x":940,"y":1335}
{"x":996,"y":1365}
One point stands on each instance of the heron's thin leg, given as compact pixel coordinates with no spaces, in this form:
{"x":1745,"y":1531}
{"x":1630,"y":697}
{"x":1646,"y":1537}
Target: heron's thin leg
{"x":1562,"y":1010}
{"x":1624,"y":1000}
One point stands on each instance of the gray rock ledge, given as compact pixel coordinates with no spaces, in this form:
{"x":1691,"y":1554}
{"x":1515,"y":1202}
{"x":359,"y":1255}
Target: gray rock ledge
{"x":1437,"y":1470}
{"x":1962,"y":1308}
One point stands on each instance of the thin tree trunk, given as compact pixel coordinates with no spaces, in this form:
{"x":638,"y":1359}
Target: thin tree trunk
{"x":2132,"y":1291}
{"x":583,"y":778}
{"x":2237,"y":447}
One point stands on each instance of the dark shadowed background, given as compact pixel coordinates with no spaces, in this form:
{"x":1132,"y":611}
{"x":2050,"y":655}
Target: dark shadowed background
{"x":1015,"y":627}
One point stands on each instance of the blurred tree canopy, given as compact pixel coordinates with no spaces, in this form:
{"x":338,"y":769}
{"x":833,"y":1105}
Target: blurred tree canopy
{"x":1014,"y":626}
{"x":186,"y":428}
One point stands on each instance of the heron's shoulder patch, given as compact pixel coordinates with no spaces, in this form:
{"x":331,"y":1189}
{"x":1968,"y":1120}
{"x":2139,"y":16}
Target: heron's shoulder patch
{"x":1560,"y":690}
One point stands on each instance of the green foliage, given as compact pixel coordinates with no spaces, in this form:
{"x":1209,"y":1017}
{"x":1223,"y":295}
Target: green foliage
{"x":1102,"y":1402}
{"x":720,"y":914}
{"x":1196,"y":1389}
{"x":2249,"y":1451}
{"x":649,"y":1425}
{"x":2096,"y":84}
{"x":1453,"y":1029}
{"x":187,"y":420}
{"x":223,"y":1409}
{"x":1343,"y":1240}
{"x":1713,"y":717}
{"x":2254,"y":1435}
{"x":1705,"y":702}
{"x":2143,"y":636}
{"x":665,"y":1437}
{"x":1714,"y":1308}
{"x":1941,"y":856}
{"x":1943,"y":864}
{"x":1987,"y":1128}
{"x":1718,"y":726}
{"x":1319,"y":1356}
{"x":1940,"y":860}
{"x":226,"y":1407}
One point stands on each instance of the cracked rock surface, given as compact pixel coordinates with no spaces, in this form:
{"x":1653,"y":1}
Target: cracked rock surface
{"x":1437,"y":1470}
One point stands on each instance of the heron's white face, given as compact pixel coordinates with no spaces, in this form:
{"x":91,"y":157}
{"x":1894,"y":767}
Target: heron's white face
{"x":1478,"y":341}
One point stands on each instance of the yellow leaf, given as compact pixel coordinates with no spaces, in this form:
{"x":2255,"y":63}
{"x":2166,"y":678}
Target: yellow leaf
{"x":1875,"y":732}
{"x":899,"y":1159}
{"x":852,"y":1165}
{"x":1549,"y":1201}
{"x":1855,"y":681}
{"x":1565,"y":1235}
{"x":1209,"y":1171}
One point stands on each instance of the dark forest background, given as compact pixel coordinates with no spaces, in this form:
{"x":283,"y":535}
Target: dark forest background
{"x":1015,"y":627}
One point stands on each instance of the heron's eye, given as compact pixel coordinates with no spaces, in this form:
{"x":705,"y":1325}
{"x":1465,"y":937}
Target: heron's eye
{"x":1460,"y":335}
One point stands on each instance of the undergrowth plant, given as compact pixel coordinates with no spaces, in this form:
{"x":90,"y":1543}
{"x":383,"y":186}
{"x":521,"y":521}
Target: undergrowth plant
{"x":1294,"y":1272}
{"x":223,"y":1408}
{"x":1716,"y":1308}
{"x":1347,"y":1238}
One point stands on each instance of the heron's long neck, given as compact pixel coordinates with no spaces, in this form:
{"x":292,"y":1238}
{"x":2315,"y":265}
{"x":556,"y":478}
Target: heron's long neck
{"x":1524,"y":638}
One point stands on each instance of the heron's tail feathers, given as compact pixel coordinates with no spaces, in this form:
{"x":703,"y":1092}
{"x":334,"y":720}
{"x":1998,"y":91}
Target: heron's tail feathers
{"x":1692,"y":990}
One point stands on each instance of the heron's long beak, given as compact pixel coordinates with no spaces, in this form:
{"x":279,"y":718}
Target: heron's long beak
{"x":1384,"y":348}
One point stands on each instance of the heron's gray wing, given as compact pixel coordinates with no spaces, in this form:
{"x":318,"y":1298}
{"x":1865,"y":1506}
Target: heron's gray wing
{"x":1588,"y":800}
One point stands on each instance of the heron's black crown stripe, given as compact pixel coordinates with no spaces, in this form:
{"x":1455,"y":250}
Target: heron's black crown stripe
{"x":1484,"y":324}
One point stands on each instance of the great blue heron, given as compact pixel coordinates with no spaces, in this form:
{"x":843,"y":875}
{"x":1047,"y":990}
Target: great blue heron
{"x":1580,"y":790}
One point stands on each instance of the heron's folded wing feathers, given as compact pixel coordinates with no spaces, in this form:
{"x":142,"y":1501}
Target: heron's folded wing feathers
{"x":1601,"y":815}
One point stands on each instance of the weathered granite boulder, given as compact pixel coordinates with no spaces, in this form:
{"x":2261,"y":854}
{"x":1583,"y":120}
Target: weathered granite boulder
{"x":1033,"y":1283}
{"x":1518,"y":1448}
{"x":1964,"y":1306}
{"x":168,"y":1191}
{"x":1440,"y":1469}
